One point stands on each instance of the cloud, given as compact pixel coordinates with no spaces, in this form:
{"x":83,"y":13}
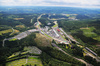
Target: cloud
{"x":90,"y":3}
{"x":74,"y":2}
{"x":20,"y":2}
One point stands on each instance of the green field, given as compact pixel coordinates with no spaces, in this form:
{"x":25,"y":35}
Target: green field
{"x":5,"y":31}
{"x":89,"y":33}
{"x":31,"y":61}
{"x":14,"y":39}
{"x":34,"y":60}
{"x":55,"y":25}
{"x":17,"y":62}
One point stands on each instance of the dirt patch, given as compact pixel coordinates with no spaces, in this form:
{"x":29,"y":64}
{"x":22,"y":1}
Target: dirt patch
{"x":85,"y":28}
{"x":98,"y":45}
{"x":18,"y":18}
{"x":20,"y":26}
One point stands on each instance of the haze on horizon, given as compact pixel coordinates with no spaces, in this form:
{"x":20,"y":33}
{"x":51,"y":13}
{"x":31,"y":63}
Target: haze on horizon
{"x":64,"y":3}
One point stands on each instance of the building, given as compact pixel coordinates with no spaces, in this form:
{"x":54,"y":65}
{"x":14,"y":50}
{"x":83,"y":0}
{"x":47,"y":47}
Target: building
{"x":55,"y":33}
{"x":58,"y":30}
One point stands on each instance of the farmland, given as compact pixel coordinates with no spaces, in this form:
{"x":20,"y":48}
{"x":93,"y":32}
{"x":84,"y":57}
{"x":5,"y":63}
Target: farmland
{"x":5,"y":31}
{"x":30,"y":61}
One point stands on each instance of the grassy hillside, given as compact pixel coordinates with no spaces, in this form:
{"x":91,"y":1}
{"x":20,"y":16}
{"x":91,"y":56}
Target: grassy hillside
{"x":42,"y":40}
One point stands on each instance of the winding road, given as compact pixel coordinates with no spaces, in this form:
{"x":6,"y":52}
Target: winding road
{"x":87,"y":64}
{"x":12,"y":31}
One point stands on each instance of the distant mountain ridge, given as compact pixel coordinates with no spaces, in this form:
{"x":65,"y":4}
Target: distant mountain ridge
{"x":45,"y":9}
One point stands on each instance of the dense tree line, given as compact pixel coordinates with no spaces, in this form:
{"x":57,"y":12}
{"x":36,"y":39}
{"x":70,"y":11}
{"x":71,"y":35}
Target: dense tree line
{"x":45,"y":16}
{"x":47,"y":60}
{"x":92,"y":61}
{"x":27,"y":20}
{"x":53,"y":52}
{"x":9,"y":22}
{"x":8,"y":19}
{"x":4,"y":27}
{"x":44,"y":21}
{"x":74,"y":50}
{"x":80,"y":16}
{"x":2,"y":37}
{"x":71,"y":25}
{"x":58,"y":16}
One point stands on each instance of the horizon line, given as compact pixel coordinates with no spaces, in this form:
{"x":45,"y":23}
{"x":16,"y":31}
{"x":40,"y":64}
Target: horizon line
{"x":52,"y":6}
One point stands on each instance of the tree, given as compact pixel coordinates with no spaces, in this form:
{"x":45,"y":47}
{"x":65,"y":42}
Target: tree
{"x":35,"y":65}
{"x":53,"y":41}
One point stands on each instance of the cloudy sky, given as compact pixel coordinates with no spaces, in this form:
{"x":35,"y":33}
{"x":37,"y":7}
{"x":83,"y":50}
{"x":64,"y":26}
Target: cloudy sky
{"x":65,"y":3}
